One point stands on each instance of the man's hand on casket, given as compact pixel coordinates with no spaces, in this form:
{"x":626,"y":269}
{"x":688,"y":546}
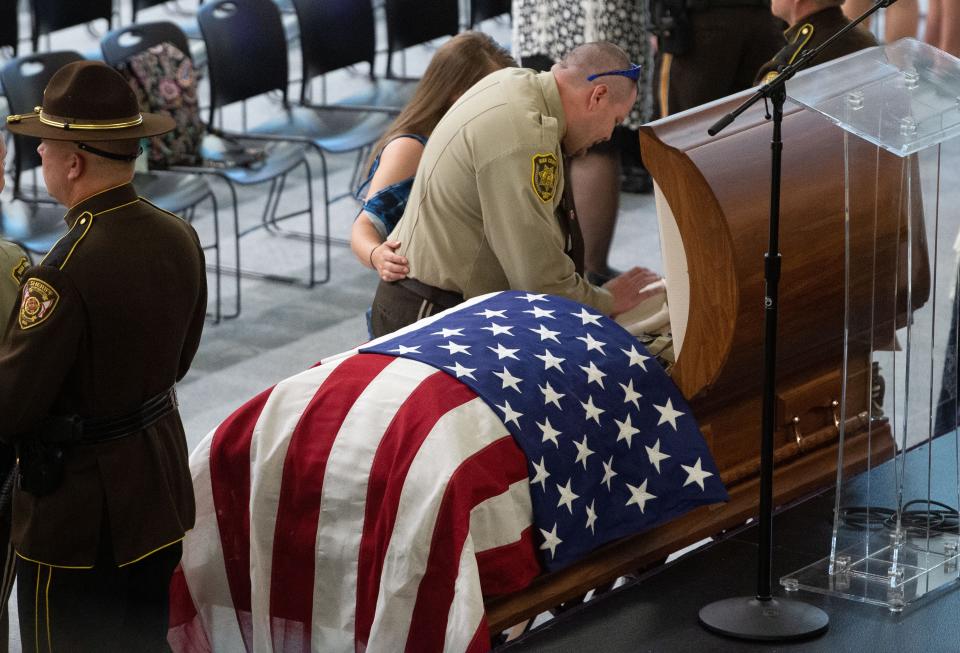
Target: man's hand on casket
{"x":632,"y":287}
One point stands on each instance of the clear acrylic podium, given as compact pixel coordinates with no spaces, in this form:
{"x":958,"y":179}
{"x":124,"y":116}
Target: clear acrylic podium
{"x":895,"y":529}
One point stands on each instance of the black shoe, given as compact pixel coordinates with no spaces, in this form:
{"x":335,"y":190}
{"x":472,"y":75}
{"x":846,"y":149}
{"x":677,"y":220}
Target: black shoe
{"x":636,"y":180}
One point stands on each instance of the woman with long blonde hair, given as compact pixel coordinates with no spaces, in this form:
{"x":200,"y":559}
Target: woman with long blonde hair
{"x":456,"y":66}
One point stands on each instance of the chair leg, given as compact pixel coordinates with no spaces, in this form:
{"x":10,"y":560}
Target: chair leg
{"x":218,"y":314}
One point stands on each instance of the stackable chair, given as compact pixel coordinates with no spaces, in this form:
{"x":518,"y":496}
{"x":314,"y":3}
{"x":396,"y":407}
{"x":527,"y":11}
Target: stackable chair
{"x":9,"y":25}
{"x":481,"y":10}
{"x":251,"y":30}
{"x":409,"y":24}
{"x":23,"y":81}
{"x":189,"y":27}
{"x":52,"y":15}
{"x":336,"y":34}
{"x":225,"y":158}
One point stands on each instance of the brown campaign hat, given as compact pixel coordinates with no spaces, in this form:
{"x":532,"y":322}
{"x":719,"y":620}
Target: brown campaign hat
{"x":89,"y":101}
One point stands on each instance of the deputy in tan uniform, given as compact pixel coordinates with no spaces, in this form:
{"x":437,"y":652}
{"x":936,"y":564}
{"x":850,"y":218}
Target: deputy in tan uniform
{"x":812,"y":22}
{"x":487,"y":210}
{"x":13,"y":263}
{"x":104,"y":327}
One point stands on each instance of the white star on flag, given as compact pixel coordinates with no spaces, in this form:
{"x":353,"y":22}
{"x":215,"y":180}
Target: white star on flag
{"x":538,"y":312}
{"x":594,"y":375}
{"x":509,"y":380}
{"x":550,"y":541}
{"x":541,"y":475}
{"x":591,"y":517}
{"x":551,"y":396}
{"x":639,"y":495}
{"x":448,"y":333}
{"x":608,"y":473}
{"x":530,"y":297}
{"x":460,"y":370}
{"x":636,"y":358}
{"x":583,"y":452}
{"x":668,"y":414}
{"x":593,"y":412}
{"x":653,"y":453}
{"x":455,"y":348}
{"x":696,"y":474}
{"x":630,"y":395}
{"x":567,"y":496}
{"x":592,"y":344}
{"x":403,"y":349}
{"x":546,"y":334}
{"x":488,"y":313}
{"x":497,"y":329}
{"x":549,"y":360}
{"x":504,"y":352}
{"x":627,"y":430}
{"x":587,"y":318}
{"x":549,"y":433}
{"x":509,"y":414}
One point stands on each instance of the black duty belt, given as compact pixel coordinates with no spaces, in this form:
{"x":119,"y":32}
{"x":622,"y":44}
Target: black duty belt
{"x":438,"y":296}
{"x":99,"y":429}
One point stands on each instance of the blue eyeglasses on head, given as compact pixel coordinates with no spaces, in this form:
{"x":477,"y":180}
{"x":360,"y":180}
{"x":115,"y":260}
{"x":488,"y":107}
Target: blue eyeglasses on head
{"x":633,"y":72}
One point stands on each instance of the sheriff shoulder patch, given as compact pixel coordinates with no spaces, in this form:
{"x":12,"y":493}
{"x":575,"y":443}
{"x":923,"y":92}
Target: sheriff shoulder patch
{"x":39,"y":300}
{"x":544,"y":176}
{"x":19,"y":269}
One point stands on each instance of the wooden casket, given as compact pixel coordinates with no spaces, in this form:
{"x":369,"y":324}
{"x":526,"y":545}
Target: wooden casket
{"x":713,"y":206}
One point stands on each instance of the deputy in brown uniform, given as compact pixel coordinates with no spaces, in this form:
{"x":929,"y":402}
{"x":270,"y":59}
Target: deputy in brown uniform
{"x":811,"y":23}
{"x":489,"y":208}
{"x":708,"y":49}
{"x":104,"y":327}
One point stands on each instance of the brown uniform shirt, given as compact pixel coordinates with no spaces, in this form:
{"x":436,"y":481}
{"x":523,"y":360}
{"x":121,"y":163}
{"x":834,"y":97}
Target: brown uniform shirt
{"x":809,"y":33}
{"x":109,"y":319}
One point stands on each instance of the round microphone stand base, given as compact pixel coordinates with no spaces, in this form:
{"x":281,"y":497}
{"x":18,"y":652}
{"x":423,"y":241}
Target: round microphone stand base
{"x":772,"y":620}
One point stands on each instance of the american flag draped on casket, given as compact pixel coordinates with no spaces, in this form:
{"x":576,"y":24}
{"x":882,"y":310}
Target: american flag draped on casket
{"x":370,"y":503}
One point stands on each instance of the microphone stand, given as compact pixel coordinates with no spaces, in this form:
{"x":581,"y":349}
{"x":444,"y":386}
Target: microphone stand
{"x":763,"y":617}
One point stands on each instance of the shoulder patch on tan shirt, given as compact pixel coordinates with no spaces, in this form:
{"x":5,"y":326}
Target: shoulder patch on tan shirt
{"x":19,"y":269}
{"x":544,"y":176}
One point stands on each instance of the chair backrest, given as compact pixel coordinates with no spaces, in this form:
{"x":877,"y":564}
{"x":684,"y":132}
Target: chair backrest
{"x":24,"y":79}
{"x":140,"y":5}
{"x":335,"y":34}
{"x":9,"y":24}
{"x":412,"y":22}
{"x":246,"y":50}
{"x":52,"y":15}
{"x":124,"y":42}
{"x":481,"y":10}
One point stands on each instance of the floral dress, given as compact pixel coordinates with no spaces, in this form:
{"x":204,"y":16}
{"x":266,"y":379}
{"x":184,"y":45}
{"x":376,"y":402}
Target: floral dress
{"x":554,"y":27}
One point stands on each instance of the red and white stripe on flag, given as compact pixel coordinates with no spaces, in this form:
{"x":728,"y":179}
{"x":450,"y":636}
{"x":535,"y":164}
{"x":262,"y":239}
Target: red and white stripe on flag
{"x":366,"y":504}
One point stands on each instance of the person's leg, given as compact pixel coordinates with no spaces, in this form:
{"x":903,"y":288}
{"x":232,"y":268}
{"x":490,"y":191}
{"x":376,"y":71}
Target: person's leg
{"x":147,"y":593}
{"x":901,"y":20}
{"x":595,"y":181}
{"x":934,"y":30}
{"x":950,"y":27}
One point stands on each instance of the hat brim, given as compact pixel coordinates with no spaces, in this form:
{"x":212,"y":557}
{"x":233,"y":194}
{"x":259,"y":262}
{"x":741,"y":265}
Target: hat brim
{"x":153,"y":124}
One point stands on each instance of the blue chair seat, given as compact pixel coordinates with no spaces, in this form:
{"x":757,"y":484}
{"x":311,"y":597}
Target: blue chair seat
{"x":333,"y":131}
{"x":37,"y":226}
{"x":172,"y":192}
{"x":218,"y":154}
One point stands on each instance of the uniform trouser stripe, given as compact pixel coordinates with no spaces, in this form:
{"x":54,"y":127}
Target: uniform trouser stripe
{"x":36,"y":612}
{"x":46,"y":611}
{"x":6,"y":585}
{"x":666,"y":63}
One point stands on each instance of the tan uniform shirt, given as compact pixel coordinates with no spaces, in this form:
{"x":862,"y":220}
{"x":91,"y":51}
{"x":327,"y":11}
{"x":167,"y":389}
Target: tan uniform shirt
{"x":481,"y":214}
{"x":13,"y":263}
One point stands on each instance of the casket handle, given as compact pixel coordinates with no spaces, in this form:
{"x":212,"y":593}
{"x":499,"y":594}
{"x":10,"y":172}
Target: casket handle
{"x":795,"y":425}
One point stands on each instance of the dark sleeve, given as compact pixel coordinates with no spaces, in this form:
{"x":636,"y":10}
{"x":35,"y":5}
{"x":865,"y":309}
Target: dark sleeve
{"x":195,"y":330}
{"x":38,"y":349}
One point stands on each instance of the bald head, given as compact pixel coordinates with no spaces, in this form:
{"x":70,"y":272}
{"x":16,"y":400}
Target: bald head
{"x":592,"y":58}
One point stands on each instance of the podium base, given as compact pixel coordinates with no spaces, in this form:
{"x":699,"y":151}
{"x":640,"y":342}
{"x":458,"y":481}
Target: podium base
{"x":776,"y":620}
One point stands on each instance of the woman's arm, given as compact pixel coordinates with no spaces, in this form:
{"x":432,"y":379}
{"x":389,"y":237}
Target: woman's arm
{"x":398,"y":161}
